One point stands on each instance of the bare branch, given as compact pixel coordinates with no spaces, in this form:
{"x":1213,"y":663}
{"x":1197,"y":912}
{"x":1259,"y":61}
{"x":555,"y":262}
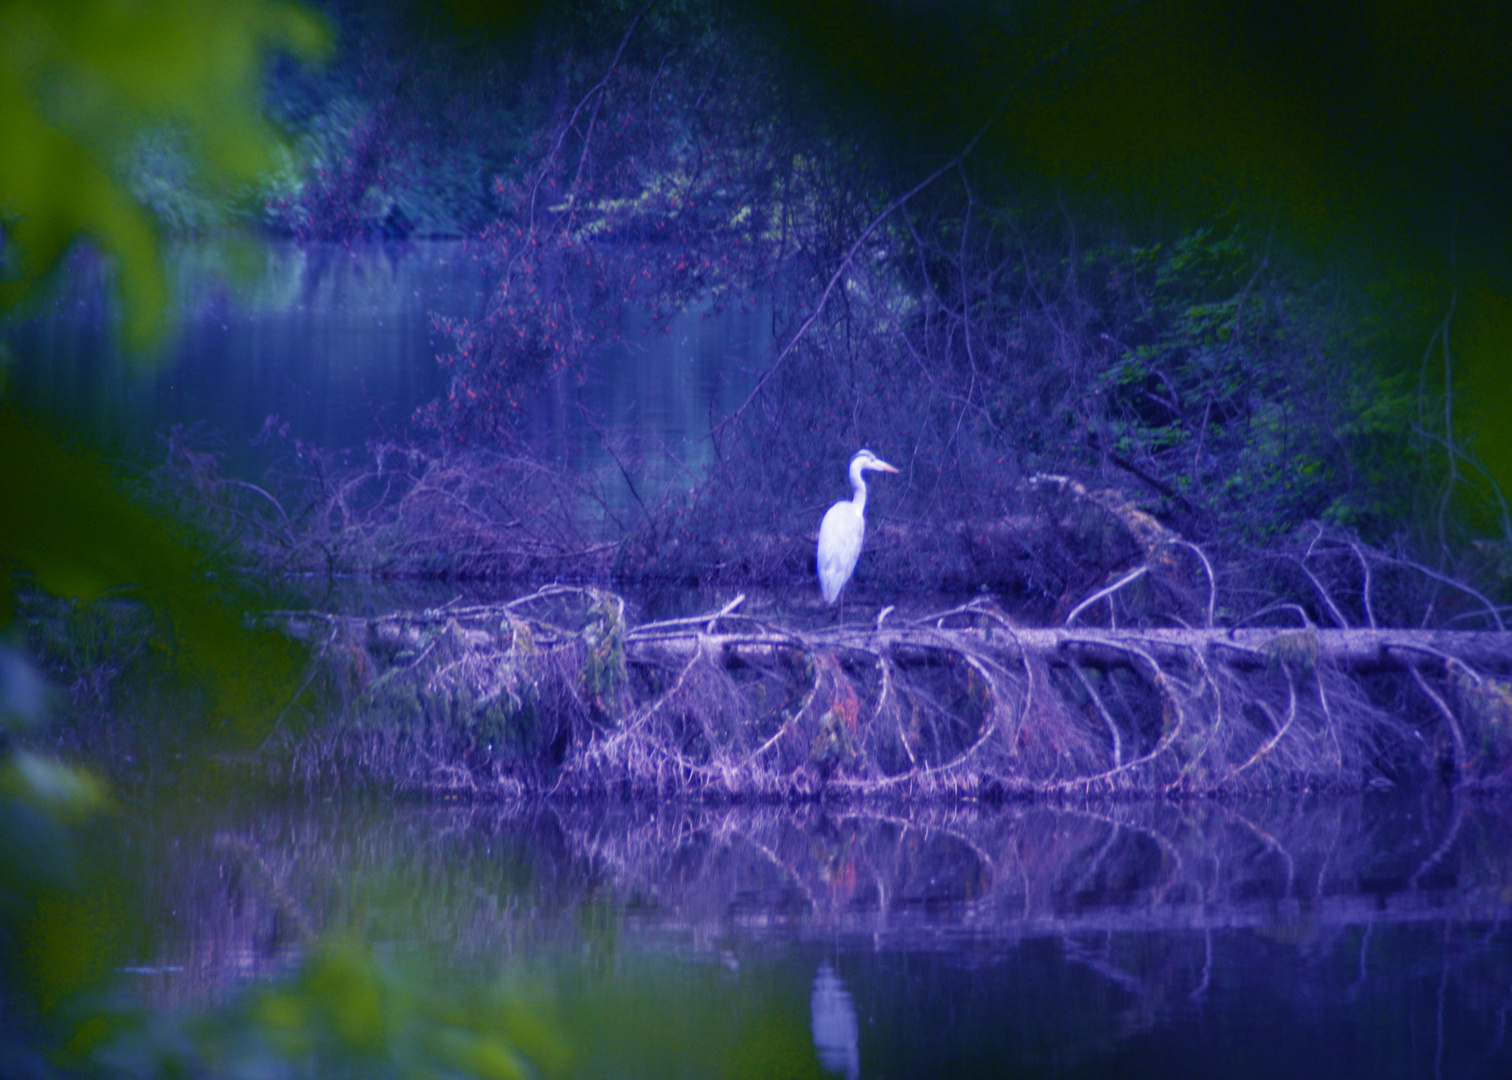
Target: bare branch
{"x":1131,"y":576}
{"x":1444,"y":711}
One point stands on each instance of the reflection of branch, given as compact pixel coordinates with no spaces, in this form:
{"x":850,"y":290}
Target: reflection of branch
{"x":276,"y":889}
{"x":787,"y":870}
{"x":1090,"y":874}
{"x":1443,"y":849}
{"x":1113,"y":973}
{"x":1172,"y":860}
{"x":1275,"y":845}
{"x":928,"y":829}
{"x":1201,"y":989}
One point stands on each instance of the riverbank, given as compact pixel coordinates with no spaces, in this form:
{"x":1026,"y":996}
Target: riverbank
{"x":558,"y":693}
{"x":1158,"y":669}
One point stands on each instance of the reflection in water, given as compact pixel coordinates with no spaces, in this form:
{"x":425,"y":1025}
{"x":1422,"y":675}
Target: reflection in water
{"x":835,"y":1034}
{"x":1309,"y":936}
{"x":341,"y":342}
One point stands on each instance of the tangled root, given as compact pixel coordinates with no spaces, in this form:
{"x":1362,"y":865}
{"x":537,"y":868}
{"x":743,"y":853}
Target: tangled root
{"x":556,"y":692}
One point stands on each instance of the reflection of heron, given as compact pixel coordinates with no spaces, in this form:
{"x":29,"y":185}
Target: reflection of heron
{"x":835,"y":1033}
{"x":844,"y":527}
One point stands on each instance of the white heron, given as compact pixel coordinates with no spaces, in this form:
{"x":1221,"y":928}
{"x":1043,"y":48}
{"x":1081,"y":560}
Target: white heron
{"x":844,"y":528}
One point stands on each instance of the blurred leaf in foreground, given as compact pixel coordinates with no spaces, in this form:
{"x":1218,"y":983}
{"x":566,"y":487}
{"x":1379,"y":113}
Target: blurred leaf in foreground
{"x":350,"y":1011}
{"x":63,"y":521}
{"x":80,"y":80}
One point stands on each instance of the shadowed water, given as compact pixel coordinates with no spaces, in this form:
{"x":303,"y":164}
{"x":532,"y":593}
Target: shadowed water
{"x":1302,"y":937}
{"x":341,"y":342}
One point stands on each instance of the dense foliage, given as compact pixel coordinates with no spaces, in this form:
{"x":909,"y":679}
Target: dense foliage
{"x":1217,"y":371}
{"x":942,"y":287}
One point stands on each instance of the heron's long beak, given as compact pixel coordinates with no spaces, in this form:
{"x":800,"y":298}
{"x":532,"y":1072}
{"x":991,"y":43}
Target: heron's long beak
{"x":881,"y":466}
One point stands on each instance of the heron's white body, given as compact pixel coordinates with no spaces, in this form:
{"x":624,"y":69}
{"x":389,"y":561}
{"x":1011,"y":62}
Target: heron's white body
{"x":844,"y":528}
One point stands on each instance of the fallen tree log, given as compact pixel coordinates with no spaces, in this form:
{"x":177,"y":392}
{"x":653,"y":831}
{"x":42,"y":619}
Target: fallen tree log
{"x":978,"y":627}
{"x":1362,"y":649}
{"x":555,"y":692}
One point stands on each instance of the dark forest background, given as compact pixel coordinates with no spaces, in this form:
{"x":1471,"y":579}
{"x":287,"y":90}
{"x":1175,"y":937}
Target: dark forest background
{"x":1246,"y":263}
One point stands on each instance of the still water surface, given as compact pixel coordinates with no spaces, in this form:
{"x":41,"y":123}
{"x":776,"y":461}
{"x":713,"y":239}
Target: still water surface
{"x":1297,"y":938}
{"x":341,"y":343}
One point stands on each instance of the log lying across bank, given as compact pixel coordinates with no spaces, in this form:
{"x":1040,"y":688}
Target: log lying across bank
{"x":1358,"y":649}
{"x":555,"y":692}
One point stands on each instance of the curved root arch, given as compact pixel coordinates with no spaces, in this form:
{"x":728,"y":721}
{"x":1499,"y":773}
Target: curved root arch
{"x":557,"y":691}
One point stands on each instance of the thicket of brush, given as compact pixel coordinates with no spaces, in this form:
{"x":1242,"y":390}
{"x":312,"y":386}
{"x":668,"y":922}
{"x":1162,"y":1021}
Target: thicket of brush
{"x":1110,"y":656}
{"x":972,"y":330}
{"x":1182,"y":676}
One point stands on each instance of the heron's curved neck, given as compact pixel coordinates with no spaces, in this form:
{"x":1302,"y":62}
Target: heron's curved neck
{"x":858,"y":486}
